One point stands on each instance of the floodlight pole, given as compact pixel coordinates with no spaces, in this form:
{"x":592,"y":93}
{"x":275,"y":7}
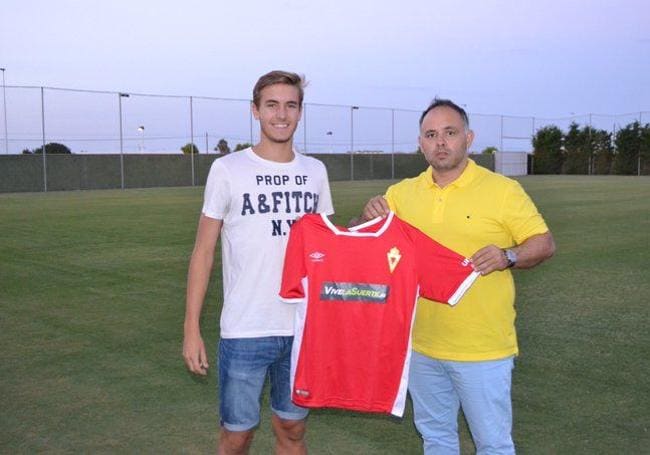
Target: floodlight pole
{"x":4,"y":103}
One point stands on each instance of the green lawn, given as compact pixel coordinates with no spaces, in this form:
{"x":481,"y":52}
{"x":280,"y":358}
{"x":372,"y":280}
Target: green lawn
{"x":92,"y":298}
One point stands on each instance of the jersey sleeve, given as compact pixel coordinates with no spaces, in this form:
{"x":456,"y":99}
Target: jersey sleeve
{"x":216,"y":197}
{"x":294,"y":270}
{"x":521,"y":216}
{"x":443,"y":274}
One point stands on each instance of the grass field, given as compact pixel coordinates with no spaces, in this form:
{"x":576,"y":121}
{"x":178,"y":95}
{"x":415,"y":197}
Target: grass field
{"x":92,"y":299}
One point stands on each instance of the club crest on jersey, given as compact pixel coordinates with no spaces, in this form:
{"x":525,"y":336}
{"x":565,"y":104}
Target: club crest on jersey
{"x":317,"y":256}
{"x":393,"y":258}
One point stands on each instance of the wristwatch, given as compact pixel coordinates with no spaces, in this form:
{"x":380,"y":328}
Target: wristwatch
{"x":511,"y":257}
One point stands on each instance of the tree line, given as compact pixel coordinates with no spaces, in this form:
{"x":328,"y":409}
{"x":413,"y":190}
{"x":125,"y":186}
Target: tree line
{"x":588,"y":150}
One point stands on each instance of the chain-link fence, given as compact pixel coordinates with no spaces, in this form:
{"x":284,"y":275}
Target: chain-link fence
{"x":90,"y":122}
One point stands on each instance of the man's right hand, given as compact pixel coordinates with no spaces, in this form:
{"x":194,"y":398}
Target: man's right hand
{"x":194,"y":354}
{"x":377,"y":206}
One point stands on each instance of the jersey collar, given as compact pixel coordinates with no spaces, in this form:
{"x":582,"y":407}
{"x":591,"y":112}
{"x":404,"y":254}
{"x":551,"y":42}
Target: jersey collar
{"x":354,"y":231}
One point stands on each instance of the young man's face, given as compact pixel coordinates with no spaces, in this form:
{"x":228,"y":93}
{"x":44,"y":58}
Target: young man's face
{"x":279,"y":112}
{"x":444,"y":141}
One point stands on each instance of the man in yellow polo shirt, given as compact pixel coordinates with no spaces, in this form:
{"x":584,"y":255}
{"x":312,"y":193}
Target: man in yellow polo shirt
{"x":463,"y":355}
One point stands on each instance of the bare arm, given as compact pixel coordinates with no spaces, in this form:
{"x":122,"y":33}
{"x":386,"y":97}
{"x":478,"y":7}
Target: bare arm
{"x":198,"y":277}
{"x":533,"y":251}
{"x":377,"y":206}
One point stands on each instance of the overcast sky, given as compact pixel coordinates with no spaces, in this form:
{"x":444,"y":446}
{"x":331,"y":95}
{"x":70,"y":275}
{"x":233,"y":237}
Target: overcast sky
{"x":543,"y":58}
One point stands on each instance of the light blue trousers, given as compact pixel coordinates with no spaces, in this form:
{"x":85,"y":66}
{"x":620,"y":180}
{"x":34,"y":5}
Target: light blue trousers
{"x":439,"y":387}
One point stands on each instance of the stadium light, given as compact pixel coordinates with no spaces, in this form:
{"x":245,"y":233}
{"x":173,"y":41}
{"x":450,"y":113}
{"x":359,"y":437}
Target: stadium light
{"x":330,"y":134}
{"x":141,"y":129}
{"x":4,"y":103}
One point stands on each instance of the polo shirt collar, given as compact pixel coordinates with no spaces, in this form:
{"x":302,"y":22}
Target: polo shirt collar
{"x":463,"y":180}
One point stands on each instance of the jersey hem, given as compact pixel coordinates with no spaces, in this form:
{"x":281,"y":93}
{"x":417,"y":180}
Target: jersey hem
{"x":349,"y":405}
{"x":292,"y":300}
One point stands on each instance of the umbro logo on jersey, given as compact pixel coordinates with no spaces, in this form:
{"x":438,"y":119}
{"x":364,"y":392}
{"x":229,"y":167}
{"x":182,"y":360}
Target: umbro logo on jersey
{"x":466,"y":262}
{"x":317,"y":256}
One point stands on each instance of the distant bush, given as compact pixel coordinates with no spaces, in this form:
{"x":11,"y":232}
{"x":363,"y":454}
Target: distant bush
{"x":222,"y":147}
{"x":52,"y":148}
{"x":548,"y":150}
{"x":189,"y":148}
{"x":243,"y":146}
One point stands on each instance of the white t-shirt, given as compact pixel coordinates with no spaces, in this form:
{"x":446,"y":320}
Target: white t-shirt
{"x":258,"y":200}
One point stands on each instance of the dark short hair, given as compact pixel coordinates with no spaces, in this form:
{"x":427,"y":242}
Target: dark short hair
{"x":439,"y":102}
{"x":279,"y":77}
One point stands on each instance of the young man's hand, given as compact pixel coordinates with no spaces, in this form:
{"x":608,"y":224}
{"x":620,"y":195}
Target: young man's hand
{"x":196,"y":359}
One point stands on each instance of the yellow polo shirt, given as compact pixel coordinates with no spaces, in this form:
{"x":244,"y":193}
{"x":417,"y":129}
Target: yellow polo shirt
{"x":477,"y":209}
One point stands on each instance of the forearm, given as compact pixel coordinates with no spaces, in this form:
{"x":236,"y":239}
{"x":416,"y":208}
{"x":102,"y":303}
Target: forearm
{"x":198,"y":278}
{"x":534,"y":251}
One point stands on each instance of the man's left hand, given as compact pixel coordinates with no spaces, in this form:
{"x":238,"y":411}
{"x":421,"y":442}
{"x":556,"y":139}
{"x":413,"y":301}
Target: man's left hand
{"x":488,"y":259}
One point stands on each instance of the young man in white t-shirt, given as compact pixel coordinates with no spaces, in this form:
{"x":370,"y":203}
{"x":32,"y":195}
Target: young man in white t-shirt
{"x":251,"y":199}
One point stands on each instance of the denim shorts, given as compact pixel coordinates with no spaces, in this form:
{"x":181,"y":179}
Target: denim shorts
{"x":244,"y":364}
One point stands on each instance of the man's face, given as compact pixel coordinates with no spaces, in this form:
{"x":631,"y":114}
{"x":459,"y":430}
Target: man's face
{"x":444,"y":140}
{"x":278,"y":112}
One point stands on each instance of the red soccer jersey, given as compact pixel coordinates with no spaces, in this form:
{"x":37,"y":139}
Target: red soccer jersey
{"x":356,"y":291}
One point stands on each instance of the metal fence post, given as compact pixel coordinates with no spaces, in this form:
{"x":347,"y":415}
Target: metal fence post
{"x":532,"y":145}
{"x":304,"y":128}
{"x":250,"y":122}
{"x":590,"y":166}
{"x":119,"y":102}
{"x":392,"y":143}
{"x":501,"y":136}
{"x":4,"y":103}
{"x":638,"y":162}
{"x":192,"y":137}
{"x":352,"y":109}
{"x":43,"y":131}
